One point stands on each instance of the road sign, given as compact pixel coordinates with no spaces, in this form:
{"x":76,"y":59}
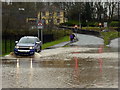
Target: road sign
{"x":105,"y":24}
{"x":40,"y":25}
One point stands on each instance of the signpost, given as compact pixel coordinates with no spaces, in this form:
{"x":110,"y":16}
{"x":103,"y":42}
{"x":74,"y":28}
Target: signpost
{"x":40,"y":27}
{"x":79,"y":21}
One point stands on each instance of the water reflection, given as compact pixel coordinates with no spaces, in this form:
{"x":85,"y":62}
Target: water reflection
{"x":31,"y":72}
{"x":31,"y":63}
{"x":17,"y":72}
{"x":76,"y":62}
{"x":18,"y":63}
{"x":100,"y":64}
{"x":76,"y":73}
{"x":100,"y":60}
{"x":76,"y":76}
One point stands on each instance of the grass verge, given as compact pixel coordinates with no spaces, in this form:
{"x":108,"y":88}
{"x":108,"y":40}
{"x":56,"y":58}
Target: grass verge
{"x":4,"y":54}
{"x":63,"y":39}
{"x":107,"y":36}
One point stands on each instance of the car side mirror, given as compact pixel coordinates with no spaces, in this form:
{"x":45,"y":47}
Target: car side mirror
{"x":16,"y":42}
{"x":37,"y":42}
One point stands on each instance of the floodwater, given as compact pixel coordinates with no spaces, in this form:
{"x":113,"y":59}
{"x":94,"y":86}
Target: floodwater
{"x":77,"y":72}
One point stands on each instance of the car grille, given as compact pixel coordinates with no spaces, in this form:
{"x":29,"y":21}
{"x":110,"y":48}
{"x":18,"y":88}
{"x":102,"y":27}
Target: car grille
{"x":23,"y":48}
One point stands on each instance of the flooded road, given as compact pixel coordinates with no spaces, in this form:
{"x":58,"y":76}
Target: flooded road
{"x":79,"y":66}
{"x":53,"y":72}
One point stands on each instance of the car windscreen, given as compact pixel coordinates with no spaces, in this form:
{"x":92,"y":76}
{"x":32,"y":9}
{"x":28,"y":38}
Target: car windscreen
{"x":27,"y":40}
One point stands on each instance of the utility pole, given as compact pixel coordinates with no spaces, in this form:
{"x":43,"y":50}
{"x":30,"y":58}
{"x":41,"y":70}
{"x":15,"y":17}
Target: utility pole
{"x":118,"y":10}
{"x":40,"y":28}
{"x":41,"y":36}
{"x":38,"y":33}
{"x":118,"y":16}
{"x":79,"y":21}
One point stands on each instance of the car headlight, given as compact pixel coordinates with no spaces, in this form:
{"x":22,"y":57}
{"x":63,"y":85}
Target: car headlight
{"x":31,"y":47}
{"x":16,"y":46}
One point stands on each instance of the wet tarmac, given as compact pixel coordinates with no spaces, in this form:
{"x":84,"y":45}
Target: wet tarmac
{"x":88,"y":40}
{"x":115,"y":43}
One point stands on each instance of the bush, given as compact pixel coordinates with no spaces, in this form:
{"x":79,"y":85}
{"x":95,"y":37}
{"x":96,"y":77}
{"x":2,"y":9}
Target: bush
{"x":70,"y":23}
{"x":114,"y":24}
{"x":90,"y":24}
{"x":67,"y":24}
{"x":107,"y":36}
{"x":96,"y":24}
{"x":93,"y":24}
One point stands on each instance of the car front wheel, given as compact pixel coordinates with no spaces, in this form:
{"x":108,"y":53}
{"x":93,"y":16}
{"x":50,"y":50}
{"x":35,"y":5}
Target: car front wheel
{"x":36,"y":50}
{"x":40,"y":48}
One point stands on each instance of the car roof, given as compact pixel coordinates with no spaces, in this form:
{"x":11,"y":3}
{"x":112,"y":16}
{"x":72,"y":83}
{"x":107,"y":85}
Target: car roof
{"x":30,"y":37}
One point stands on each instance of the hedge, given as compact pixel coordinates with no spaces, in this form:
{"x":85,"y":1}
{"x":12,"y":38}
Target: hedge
{"x":114,"y":24}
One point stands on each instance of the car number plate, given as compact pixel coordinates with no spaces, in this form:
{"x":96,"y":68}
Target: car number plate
{"x":23,"y":50}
